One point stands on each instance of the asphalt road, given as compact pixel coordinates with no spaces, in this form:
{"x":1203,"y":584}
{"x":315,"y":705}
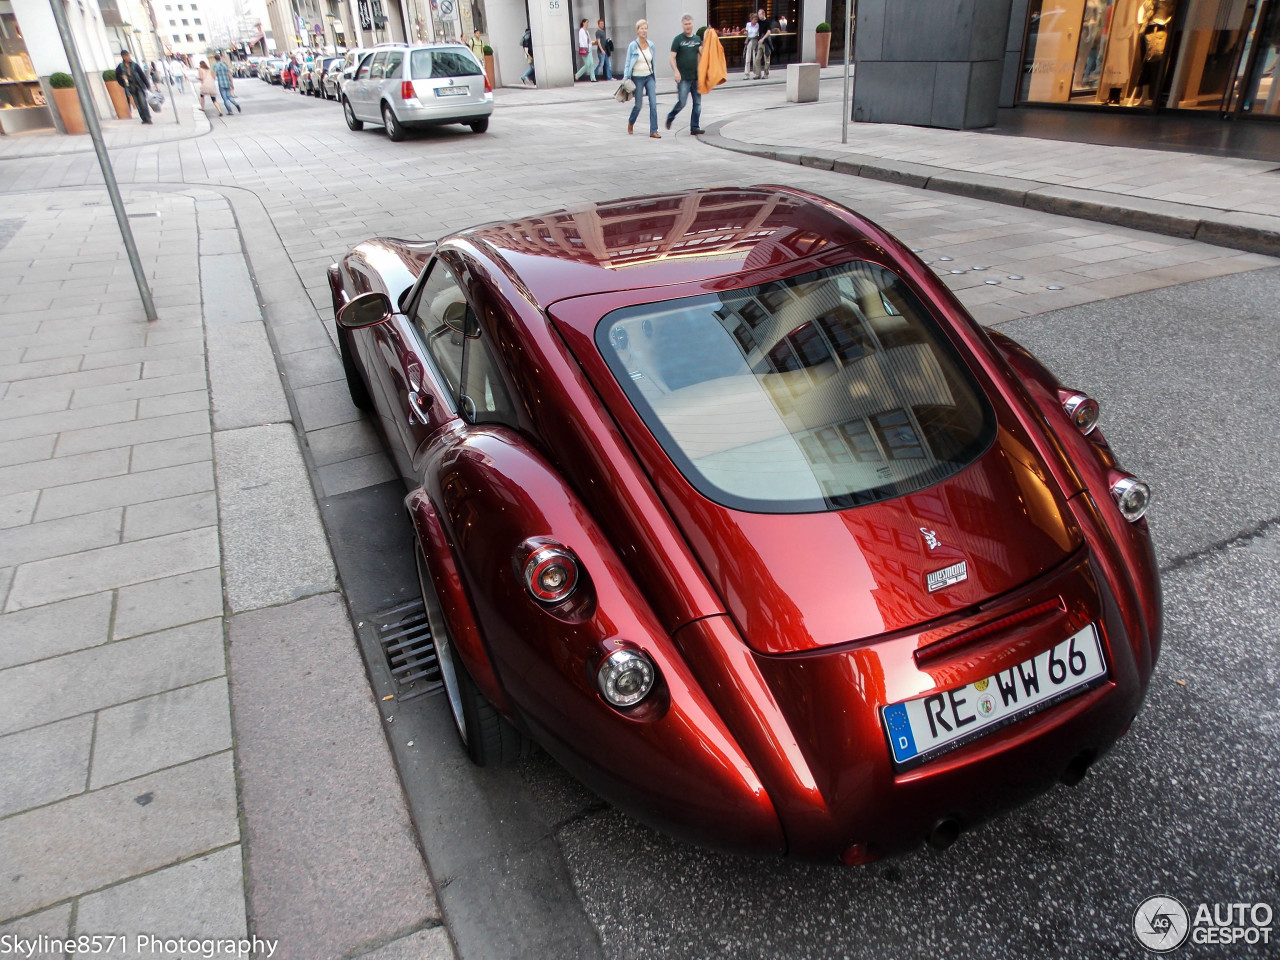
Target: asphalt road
{"x":529,"y":864}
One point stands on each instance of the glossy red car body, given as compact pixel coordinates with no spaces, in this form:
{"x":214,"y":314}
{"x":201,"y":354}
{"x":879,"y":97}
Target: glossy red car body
{"x":777,"y":637}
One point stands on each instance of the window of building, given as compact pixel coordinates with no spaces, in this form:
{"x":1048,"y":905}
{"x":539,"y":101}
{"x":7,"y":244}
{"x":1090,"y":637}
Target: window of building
{"x":173,"y":23}
{"x":200,"y":36}
{"x":176,"y":38}
{"x":197,"y":21}
{"x":189,"y":40}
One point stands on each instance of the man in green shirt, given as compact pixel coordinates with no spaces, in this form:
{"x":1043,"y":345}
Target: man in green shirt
{"x":686,"y":48}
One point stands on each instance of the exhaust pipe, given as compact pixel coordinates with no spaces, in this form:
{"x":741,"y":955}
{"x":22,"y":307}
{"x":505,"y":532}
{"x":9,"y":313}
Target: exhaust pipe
{"x":944,"y":833}
{"x":1077,"y":768}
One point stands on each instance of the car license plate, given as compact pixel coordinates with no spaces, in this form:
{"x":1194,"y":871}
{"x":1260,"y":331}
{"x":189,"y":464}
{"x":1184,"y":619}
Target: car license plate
{"x":926,"y":727}
{"x":452,"y":91}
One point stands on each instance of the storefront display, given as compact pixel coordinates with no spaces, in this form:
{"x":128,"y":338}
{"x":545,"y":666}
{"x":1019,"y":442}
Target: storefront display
{"x":22,"y":101}
{"x":1215,"y":55}
{"x":729,"y":18}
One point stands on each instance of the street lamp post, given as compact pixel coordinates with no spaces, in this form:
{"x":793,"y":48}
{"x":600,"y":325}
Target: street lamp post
{"x":334,"y":33}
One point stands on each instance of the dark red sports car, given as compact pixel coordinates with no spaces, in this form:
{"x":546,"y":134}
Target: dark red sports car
{"x":724,"y":499}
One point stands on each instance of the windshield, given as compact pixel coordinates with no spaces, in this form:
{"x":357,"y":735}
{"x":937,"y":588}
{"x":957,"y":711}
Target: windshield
{"x":820,"y":392}
{"x":428,"y":64}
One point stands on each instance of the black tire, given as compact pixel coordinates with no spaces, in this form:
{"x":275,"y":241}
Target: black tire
{"x":350,"y":116}
{"x":486,"y":735}
{"x":355,"y":383}
{"x":395,"y":130}
{"x":479,"y":126}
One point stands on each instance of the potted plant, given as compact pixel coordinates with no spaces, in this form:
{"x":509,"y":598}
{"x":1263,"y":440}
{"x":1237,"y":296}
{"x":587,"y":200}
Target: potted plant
{"x":68,"y":101}
{"x":822,"y":40}
{"x":119,"y":99}
{"x":488,"y":67}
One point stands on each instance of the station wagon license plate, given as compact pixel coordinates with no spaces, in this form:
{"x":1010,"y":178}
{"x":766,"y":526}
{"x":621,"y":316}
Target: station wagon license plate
{"x":926,"y":727}
{"x":452,"y":91}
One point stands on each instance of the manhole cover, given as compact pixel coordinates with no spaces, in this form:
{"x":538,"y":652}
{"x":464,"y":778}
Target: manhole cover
{"x":405,"y":637}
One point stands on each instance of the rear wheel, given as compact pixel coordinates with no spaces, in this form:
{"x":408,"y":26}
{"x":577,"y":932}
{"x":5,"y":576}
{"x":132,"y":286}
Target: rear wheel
{"x":395,"y":131}
{"x":479,"y":126}
{"x":355,"y":383}
{"x":486,"y":735}
{"x":350,"y":114}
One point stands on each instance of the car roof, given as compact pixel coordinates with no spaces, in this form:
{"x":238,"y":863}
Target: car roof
{"x":658,"y":240}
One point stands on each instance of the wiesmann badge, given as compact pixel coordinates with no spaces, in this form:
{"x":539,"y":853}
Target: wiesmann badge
{"x":947,"y":576}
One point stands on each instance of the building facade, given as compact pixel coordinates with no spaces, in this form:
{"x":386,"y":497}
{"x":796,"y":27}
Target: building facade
{"x":951,"y":63}
{"x":31,"y":49}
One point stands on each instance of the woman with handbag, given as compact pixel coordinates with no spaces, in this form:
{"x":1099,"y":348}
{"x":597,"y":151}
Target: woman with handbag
{"x":208,"y":87}
{"x":639,"y":70}
{"x":585,"y":50}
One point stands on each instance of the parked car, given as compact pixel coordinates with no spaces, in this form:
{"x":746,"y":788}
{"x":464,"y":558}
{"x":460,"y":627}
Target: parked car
{"x":253,"y":63}
{"x":402,"y":87}
{"x":724,"y":499}
{"x":271,"y":70}
{"x":331,"y":80}
{"x":311,"y":80}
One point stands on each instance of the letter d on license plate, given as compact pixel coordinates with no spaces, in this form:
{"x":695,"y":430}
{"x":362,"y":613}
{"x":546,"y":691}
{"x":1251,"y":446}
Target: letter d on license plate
{"x":921,"y":729}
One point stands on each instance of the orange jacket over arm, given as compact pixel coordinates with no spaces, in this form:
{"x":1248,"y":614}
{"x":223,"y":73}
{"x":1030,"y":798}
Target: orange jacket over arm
{"x":711,"y":68}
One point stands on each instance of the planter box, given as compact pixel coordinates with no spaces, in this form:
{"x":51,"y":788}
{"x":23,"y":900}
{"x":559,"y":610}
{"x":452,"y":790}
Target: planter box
{"x":119,"y":99}
{"x":68,"y":104}
{"x":822,"y":51}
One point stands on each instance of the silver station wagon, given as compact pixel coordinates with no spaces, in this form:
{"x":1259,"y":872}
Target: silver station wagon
{"x":402,"y":87}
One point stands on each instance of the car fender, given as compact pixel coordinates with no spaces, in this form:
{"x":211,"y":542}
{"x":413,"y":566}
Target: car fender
{"x":671,"y":759}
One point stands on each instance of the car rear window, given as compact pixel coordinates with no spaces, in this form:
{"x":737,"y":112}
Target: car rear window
{"x":429,"y":64}
{"x":820,"y":392}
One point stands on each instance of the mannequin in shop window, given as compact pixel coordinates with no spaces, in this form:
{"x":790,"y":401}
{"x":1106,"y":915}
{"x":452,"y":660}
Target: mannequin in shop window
{"x":1154,"y":17}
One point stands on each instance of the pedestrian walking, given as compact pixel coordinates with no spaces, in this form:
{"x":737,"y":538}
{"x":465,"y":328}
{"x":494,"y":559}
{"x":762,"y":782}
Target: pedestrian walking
{"x":526,"y":42}
{"x":686,"y":49}
{"x":208,"y":86}
{"x":604,"y":50}
{"x":226,"y":89}
{"x":749,"y":50}
{"x":764,"y":48}
{"x":639,"y":70}
{"x":476,"y":45}
{"x":179,"y":74}
{"x":585,"y":50}
{"x":133,"y":80}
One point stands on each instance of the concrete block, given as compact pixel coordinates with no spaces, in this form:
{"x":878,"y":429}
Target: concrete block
{"x":55,"y":629}
{"x":169,"y":602}
{"x":868,"y":39}
{"x":161,"y":731}
{"x":1157,"y":216}
{"x":802,"y":82}
{"x":79,"y":498}
{"x":1241,"y":231}
{"x":346,"y":441}
{"x":927,"y":30}
{"x":69,"y":848}
{"x":319,"y":787}
{"x":156,"y":454}
{"x":54,"y":538}
{"x":983,"y":94}
{"x":243,"y":378}
{"x":54,"y":923}
{"x":26,"y":450}
{"x":61,"y":578}
{"x":430,"y":944}
{"x":982,"y":186}
{"x":898,"y":171}
{"x":200,"y":899}
{"x":45,"y":764}
{"x":274,"y":546}
{"x":226,"y":290}
{"x":325,"y":405}
{"x":990,"y":29}
{"x":133,"y":432}
{"x":18,"y":508}
{"x":159,"y":517}
{"x":103,"y":676}
{"x":950,"y":94}
{"x":308,"y":367}
{"x":306,"y":335}
{"x":892,"y":92}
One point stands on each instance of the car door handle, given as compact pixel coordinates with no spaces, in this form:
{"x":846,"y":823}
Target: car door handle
{"x":418,"y":404}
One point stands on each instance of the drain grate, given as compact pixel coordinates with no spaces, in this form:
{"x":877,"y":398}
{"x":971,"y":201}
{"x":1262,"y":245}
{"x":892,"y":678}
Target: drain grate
{"x":405,"y":637}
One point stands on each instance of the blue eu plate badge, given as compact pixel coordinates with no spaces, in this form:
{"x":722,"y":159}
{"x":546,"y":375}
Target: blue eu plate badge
{"x":899,"y":727}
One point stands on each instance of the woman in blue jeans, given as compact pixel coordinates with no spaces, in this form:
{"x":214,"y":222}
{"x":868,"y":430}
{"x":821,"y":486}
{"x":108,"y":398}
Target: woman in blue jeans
{"x":639,"y":70}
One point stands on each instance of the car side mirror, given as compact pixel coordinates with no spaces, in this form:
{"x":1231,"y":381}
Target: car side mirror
{"x":365,"y":310}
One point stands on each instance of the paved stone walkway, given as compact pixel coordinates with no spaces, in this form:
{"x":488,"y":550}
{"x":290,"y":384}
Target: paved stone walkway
{"x":163,"y":569}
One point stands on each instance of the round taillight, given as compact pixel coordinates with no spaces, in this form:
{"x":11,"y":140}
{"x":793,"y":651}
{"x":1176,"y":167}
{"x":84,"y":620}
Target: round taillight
{"x":550,"y":574}
{"x":625,"y":678}
{"x":1081,"y":410}
{"x":1132,"y":496}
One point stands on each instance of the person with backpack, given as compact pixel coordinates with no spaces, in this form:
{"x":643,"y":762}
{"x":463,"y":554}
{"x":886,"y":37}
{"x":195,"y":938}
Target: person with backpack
{"x":526,"y":43}
{"x":604,"y":50}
